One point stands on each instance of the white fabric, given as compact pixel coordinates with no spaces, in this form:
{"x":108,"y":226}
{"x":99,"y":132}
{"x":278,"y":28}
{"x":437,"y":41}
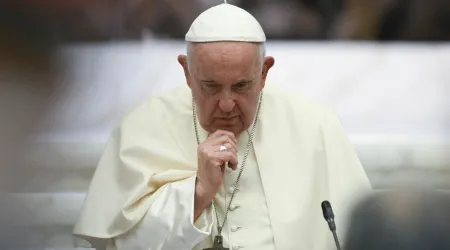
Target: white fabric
{"x":170,"y":220}
{"x":248,"y":225}
{"x":302,"y":152}
{"x":225,"y":22}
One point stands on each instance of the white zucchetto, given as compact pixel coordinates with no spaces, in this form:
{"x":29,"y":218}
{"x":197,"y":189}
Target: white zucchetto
{"x":225,"y":22}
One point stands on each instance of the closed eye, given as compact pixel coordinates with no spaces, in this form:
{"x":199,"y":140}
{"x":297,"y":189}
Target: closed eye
{"x":210,"y":87}
{"x":240,"y":86}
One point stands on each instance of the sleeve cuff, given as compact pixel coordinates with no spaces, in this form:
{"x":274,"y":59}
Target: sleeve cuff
{"x":169,"y":222}
{"x":205,"y":221}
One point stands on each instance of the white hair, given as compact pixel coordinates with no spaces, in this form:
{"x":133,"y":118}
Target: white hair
{"x":190,"y":51}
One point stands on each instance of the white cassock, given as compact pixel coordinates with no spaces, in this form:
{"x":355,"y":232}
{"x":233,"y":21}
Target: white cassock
{"x":142,"y":193}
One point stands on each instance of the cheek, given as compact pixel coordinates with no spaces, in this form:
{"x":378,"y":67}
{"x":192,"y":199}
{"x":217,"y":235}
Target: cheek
{"x":248,"y":104}
{"x":206,"y":108}
{"x":244,"y":105}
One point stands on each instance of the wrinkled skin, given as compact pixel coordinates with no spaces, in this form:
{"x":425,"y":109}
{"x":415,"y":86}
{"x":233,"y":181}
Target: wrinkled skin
{"x":226,"y":79}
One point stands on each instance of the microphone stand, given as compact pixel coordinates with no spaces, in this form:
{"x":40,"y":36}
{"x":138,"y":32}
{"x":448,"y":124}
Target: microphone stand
{"x":329,"y":217}
{"x":336,"y":240}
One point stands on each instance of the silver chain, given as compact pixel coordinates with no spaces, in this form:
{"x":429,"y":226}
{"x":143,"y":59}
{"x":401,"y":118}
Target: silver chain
{"x":247,"y":151}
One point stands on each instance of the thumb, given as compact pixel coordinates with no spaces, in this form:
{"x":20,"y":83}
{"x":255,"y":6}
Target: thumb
{"x":232,"y":166}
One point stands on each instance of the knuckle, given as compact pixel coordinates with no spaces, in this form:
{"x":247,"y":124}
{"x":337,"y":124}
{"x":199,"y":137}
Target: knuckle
{"x":210,"y":155}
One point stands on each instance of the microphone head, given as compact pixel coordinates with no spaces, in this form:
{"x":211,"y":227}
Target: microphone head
{"x":327,"y":210}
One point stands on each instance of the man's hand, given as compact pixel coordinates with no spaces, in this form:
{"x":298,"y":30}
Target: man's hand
{"x":211,"y":167}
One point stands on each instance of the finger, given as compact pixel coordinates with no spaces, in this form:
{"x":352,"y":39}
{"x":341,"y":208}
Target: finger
{"x":225,"y":140}
{"x":224,"y":157}
{"x":231,"y":147}
{"x":229,"y":165}
{"x":219,"y":133}
{"x":216,"y":143}
{"x":232,"y":166}
{"x":218,"y":139}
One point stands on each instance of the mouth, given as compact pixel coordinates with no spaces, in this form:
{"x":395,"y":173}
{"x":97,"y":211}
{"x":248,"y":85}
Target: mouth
{"x":229,"y":120}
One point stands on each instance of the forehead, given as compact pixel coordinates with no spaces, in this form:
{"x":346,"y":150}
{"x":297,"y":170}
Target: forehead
{"x":226,"y":55}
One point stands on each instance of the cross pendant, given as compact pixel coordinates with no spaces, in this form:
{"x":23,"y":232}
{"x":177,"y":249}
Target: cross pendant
{"x":218,"y":244}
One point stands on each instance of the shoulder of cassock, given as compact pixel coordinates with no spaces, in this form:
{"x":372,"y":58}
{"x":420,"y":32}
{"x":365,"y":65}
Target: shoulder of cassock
{"x":155,"y":144}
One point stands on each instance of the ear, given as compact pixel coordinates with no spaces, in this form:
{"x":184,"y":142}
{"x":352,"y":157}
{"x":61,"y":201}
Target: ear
{"x":182,"y":60}
{"x":268,"y":64}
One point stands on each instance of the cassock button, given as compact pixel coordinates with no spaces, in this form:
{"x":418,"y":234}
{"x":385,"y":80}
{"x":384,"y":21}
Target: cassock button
{"x":234,"y":207}
{"x":235,"y":228}
{"x":231,"y":190}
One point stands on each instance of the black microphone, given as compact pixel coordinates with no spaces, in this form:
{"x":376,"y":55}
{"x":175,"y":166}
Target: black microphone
{"x":329,"y":217}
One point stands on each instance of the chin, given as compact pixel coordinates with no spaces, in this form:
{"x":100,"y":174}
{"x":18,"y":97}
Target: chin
{"x":236,"y":130}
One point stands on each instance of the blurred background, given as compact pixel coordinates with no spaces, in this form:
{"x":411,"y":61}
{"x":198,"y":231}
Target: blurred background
{"x":70,"y":70}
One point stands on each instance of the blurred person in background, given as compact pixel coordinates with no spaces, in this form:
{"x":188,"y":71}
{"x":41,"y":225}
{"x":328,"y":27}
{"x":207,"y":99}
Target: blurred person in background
{"x":286,"y":19}
{"x":400,"y":220}
{"x":28,"y":74}
{"x":407,"y":20}
{"x":295,"y":19}
{"x":163,"y":18}
{"x":32,"y":75}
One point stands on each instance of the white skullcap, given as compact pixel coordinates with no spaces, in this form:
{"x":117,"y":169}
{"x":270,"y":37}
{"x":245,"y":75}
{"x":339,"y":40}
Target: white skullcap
{"x":225,"y":22}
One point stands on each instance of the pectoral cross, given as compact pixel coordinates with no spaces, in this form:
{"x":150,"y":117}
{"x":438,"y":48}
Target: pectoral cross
{"x":218,"y":244}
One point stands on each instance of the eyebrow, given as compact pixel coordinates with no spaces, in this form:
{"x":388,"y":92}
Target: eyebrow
{"x":208,"y":81}
{"x":244,"y":81}
{"x":237,"y":82}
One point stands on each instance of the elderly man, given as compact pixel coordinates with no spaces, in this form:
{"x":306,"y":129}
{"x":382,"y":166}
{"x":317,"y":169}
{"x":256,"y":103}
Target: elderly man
{"x":222,"y":163}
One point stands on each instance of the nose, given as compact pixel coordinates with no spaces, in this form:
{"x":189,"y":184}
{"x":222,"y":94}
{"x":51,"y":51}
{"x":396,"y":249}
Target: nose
{"x":227,"y":105}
